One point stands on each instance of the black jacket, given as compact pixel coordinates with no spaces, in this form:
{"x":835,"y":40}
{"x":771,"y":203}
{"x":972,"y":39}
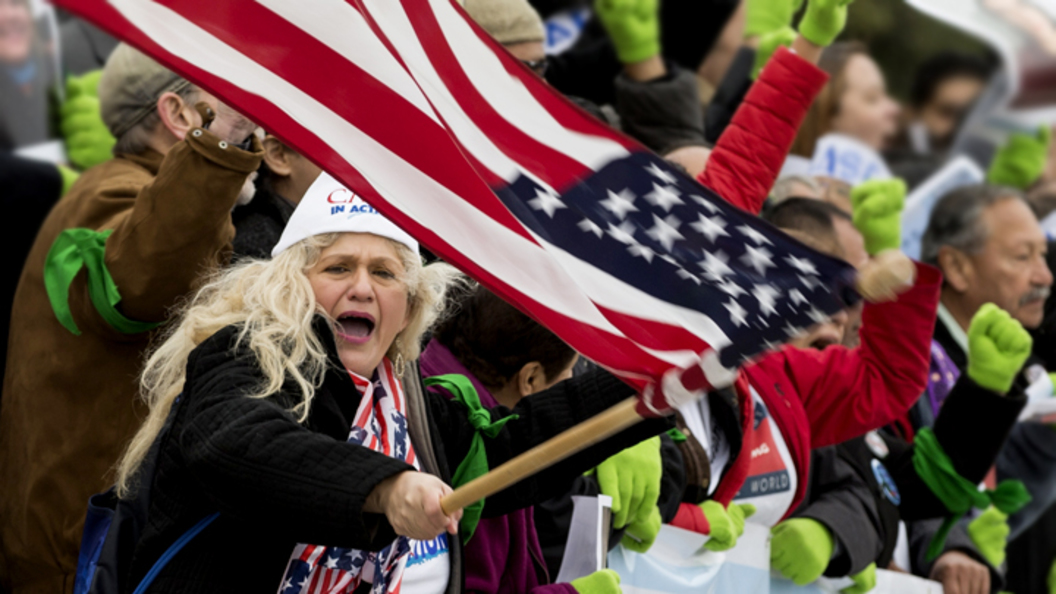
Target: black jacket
{"x":276,"y":482}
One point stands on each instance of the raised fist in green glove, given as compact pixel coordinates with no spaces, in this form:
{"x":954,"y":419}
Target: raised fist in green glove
{"x":998,"y":346}
{"x":877,"y":206}
{"x":88,"y":141}
{"x":727,"y":524}
{"x":1020,"y":162}
{"x":864,"y":581}
{"x":605,"y":581}
{"x":633,"y":26}
{"x":990,"y":532}
{"x":823,"y":21}
{"x":768,"y":44}
{"x":800,"y":549}
{"x":632,"y":479}
{"x":641,"y":534}
{"x":766,"y":16}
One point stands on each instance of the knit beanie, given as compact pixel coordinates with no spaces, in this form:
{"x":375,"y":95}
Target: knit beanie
{"x":507,"y":21}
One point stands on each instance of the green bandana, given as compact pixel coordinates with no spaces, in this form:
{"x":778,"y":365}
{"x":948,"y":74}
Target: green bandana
{"x":72,"y":250}
{"x":475,"y":463}
{"x":959,"y":495}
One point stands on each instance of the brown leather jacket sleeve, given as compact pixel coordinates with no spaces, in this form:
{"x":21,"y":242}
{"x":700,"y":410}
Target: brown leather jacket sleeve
{"x":179,"y":226}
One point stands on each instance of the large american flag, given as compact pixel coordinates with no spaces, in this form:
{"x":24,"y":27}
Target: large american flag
{"x":414,"y":107}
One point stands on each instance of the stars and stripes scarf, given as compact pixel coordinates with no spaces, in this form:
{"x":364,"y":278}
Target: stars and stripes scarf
{"x":381,"y":425}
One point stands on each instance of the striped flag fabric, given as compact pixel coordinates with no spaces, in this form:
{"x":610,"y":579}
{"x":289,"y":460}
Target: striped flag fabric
{"x":420,"y":112}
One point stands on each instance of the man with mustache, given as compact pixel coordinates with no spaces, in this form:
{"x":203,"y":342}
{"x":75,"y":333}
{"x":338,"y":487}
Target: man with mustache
{"x":991,"y":249}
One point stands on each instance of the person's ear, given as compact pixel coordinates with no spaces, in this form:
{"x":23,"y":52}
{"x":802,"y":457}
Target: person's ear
{"x":177,"y":116}
{"x":277,"y":156}
{"x":531,"y":379}
{"x":956,"y":268}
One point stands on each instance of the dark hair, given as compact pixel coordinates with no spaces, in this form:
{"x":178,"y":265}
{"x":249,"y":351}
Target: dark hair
{"x":494,"y":340}
{"x":805,"y":214}
{"x":956,"y":220}
{"x":941,"y":67}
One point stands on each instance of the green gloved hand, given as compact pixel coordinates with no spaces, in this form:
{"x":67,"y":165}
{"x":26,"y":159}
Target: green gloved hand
{"x":88,"y":141}
{"x":68,"y":177}
{"x":641,"y":534}
{"x":1051,"y":581}
{"x":998,"y":346}
{"x":800,"y":549}
{"x":727,"y":524}
{"x":990,"y":532}
{"x":765,"y":16}
{"x":1020,"y":162}
{"x":823,"y":21}
{"x":877,"y":205}
{"x":632,"y":479}
{"x":605,"y":581}
{"x":768,"y":44}
{"x":633,"y":26}
{"x":864,"y":581}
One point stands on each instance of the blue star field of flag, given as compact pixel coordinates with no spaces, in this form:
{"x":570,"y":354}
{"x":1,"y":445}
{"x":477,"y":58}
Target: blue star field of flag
{"x":652,"y":226}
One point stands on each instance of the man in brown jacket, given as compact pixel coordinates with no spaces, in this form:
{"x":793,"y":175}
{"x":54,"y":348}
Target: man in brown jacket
{"x":129,"y":240}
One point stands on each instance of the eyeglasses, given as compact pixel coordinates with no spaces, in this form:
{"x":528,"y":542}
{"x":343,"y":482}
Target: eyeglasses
{"x":537,"y":66}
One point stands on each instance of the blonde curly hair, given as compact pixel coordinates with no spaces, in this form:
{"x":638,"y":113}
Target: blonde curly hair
{"x":274,"y":303}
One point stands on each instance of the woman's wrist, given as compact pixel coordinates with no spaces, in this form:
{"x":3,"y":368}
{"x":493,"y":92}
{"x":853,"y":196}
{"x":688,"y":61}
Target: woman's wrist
{"x":378,"y":497}
{"x":806,"y":49}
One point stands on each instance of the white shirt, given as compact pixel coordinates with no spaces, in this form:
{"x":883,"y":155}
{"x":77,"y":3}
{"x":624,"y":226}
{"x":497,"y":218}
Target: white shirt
{"x":428,"y":568}
{"x":771,"y":482}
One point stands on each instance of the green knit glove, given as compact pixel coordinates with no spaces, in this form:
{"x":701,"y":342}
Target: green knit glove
{"x":605,"y":581}
{"x":823,"y":21}
{"x":990,"y":532}
{"x":800,"y":549}
{"x":727,"y":524}
{"x":632,"y":479}
{"x":88,"y":141}
{"x":641,"y":534}
{"x":68,"y":177}
{"x":764,"y":16}
{"x":864,"y":581}
{"x":1051,"y":582}
{"x":998,"y":346}
{"x":633,"y":26}
{"x":768,"y":44}
{"x":877,"y":206}
{"x":1020,"y":162}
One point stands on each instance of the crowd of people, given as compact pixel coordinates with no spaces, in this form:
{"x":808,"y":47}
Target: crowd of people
{"x":212,"y":384}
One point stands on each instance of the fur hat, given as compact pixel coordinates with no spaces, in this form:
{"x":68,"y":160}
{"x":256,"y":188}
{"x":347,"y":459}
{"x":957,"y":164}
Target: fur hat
{"x":508,"y":21}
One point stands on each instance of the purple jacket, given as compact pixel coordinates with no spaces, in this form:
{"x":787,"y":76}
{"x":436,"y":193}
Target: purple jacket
{"x":504,"y":555}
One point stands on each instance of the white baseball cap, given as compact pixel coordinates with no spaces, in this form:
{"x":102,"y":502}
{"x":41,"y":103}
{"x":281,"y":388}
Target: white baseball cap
{"x":330,"y":207}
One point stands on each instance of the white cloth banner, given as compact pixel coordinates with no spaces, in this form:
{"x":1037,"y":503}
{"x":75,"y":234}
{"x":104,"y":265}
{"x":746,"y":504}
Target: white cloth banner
{"x":959,"y":172}
{"x":678,"y":563}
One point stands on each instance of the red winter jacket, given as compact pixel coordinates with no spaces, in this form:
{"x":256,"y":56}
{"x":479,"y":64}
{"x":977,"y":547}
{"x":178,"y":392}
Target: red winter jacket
{"x":816,"y":398}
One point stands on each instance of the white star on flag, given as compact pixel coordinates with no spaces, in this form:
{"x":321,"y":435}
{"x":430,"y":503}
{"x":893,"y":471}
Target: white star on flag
{"x":670,"y":260}
{"x":758,"y":258}
{"x":817,"y":315}
{"x":737,"y":313}
{"x":731,"y":288}
{"x":331,"y":562}
{"x":792,"y":331}
{"x":624,"y":233}
{"x":589,"y":226}
{"x":665,"y":231}
{"x":660,"y":174}
{"x":687,"y":275}
{"x":546,"y":202}
{"x":802,"y":265}
{"x":771,"y":346}
{"x":705,"y":203}
{"x":710,"y":227}
{"x":715,"y":267}
{"x":663,"y":196}
{"x":754,"y":235}
{"x":767,"y":296}
{"x":620,"y":204}
{"x":796,"y":297}
{"x":642,"y":251}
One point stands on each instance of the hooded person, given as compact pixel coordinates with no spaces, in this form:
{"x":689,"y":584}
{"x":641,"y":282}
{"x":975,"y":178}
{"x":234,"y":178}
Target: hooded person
{"x":276,"y":403}
{"x":125,"y":244}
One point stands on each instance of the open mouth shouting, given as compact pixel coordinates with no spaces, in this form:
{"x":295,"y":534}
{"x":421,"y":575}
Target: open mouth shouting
{"x":355,"y":327}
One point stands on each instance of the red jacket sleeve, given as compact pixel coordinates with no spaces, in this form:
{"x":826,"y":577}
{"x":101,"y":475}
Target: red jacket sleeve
{"x":847,"y":392}
{"x":691,"y":517}
{"x":748,"y":156}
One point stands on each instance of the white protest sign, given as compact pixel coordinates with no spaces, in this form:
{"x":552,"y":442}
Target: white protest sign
{"x":588,"y":537}
{"x":847,"y":159}
{"x":678,"y":563}
{"x":959,"y":172}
